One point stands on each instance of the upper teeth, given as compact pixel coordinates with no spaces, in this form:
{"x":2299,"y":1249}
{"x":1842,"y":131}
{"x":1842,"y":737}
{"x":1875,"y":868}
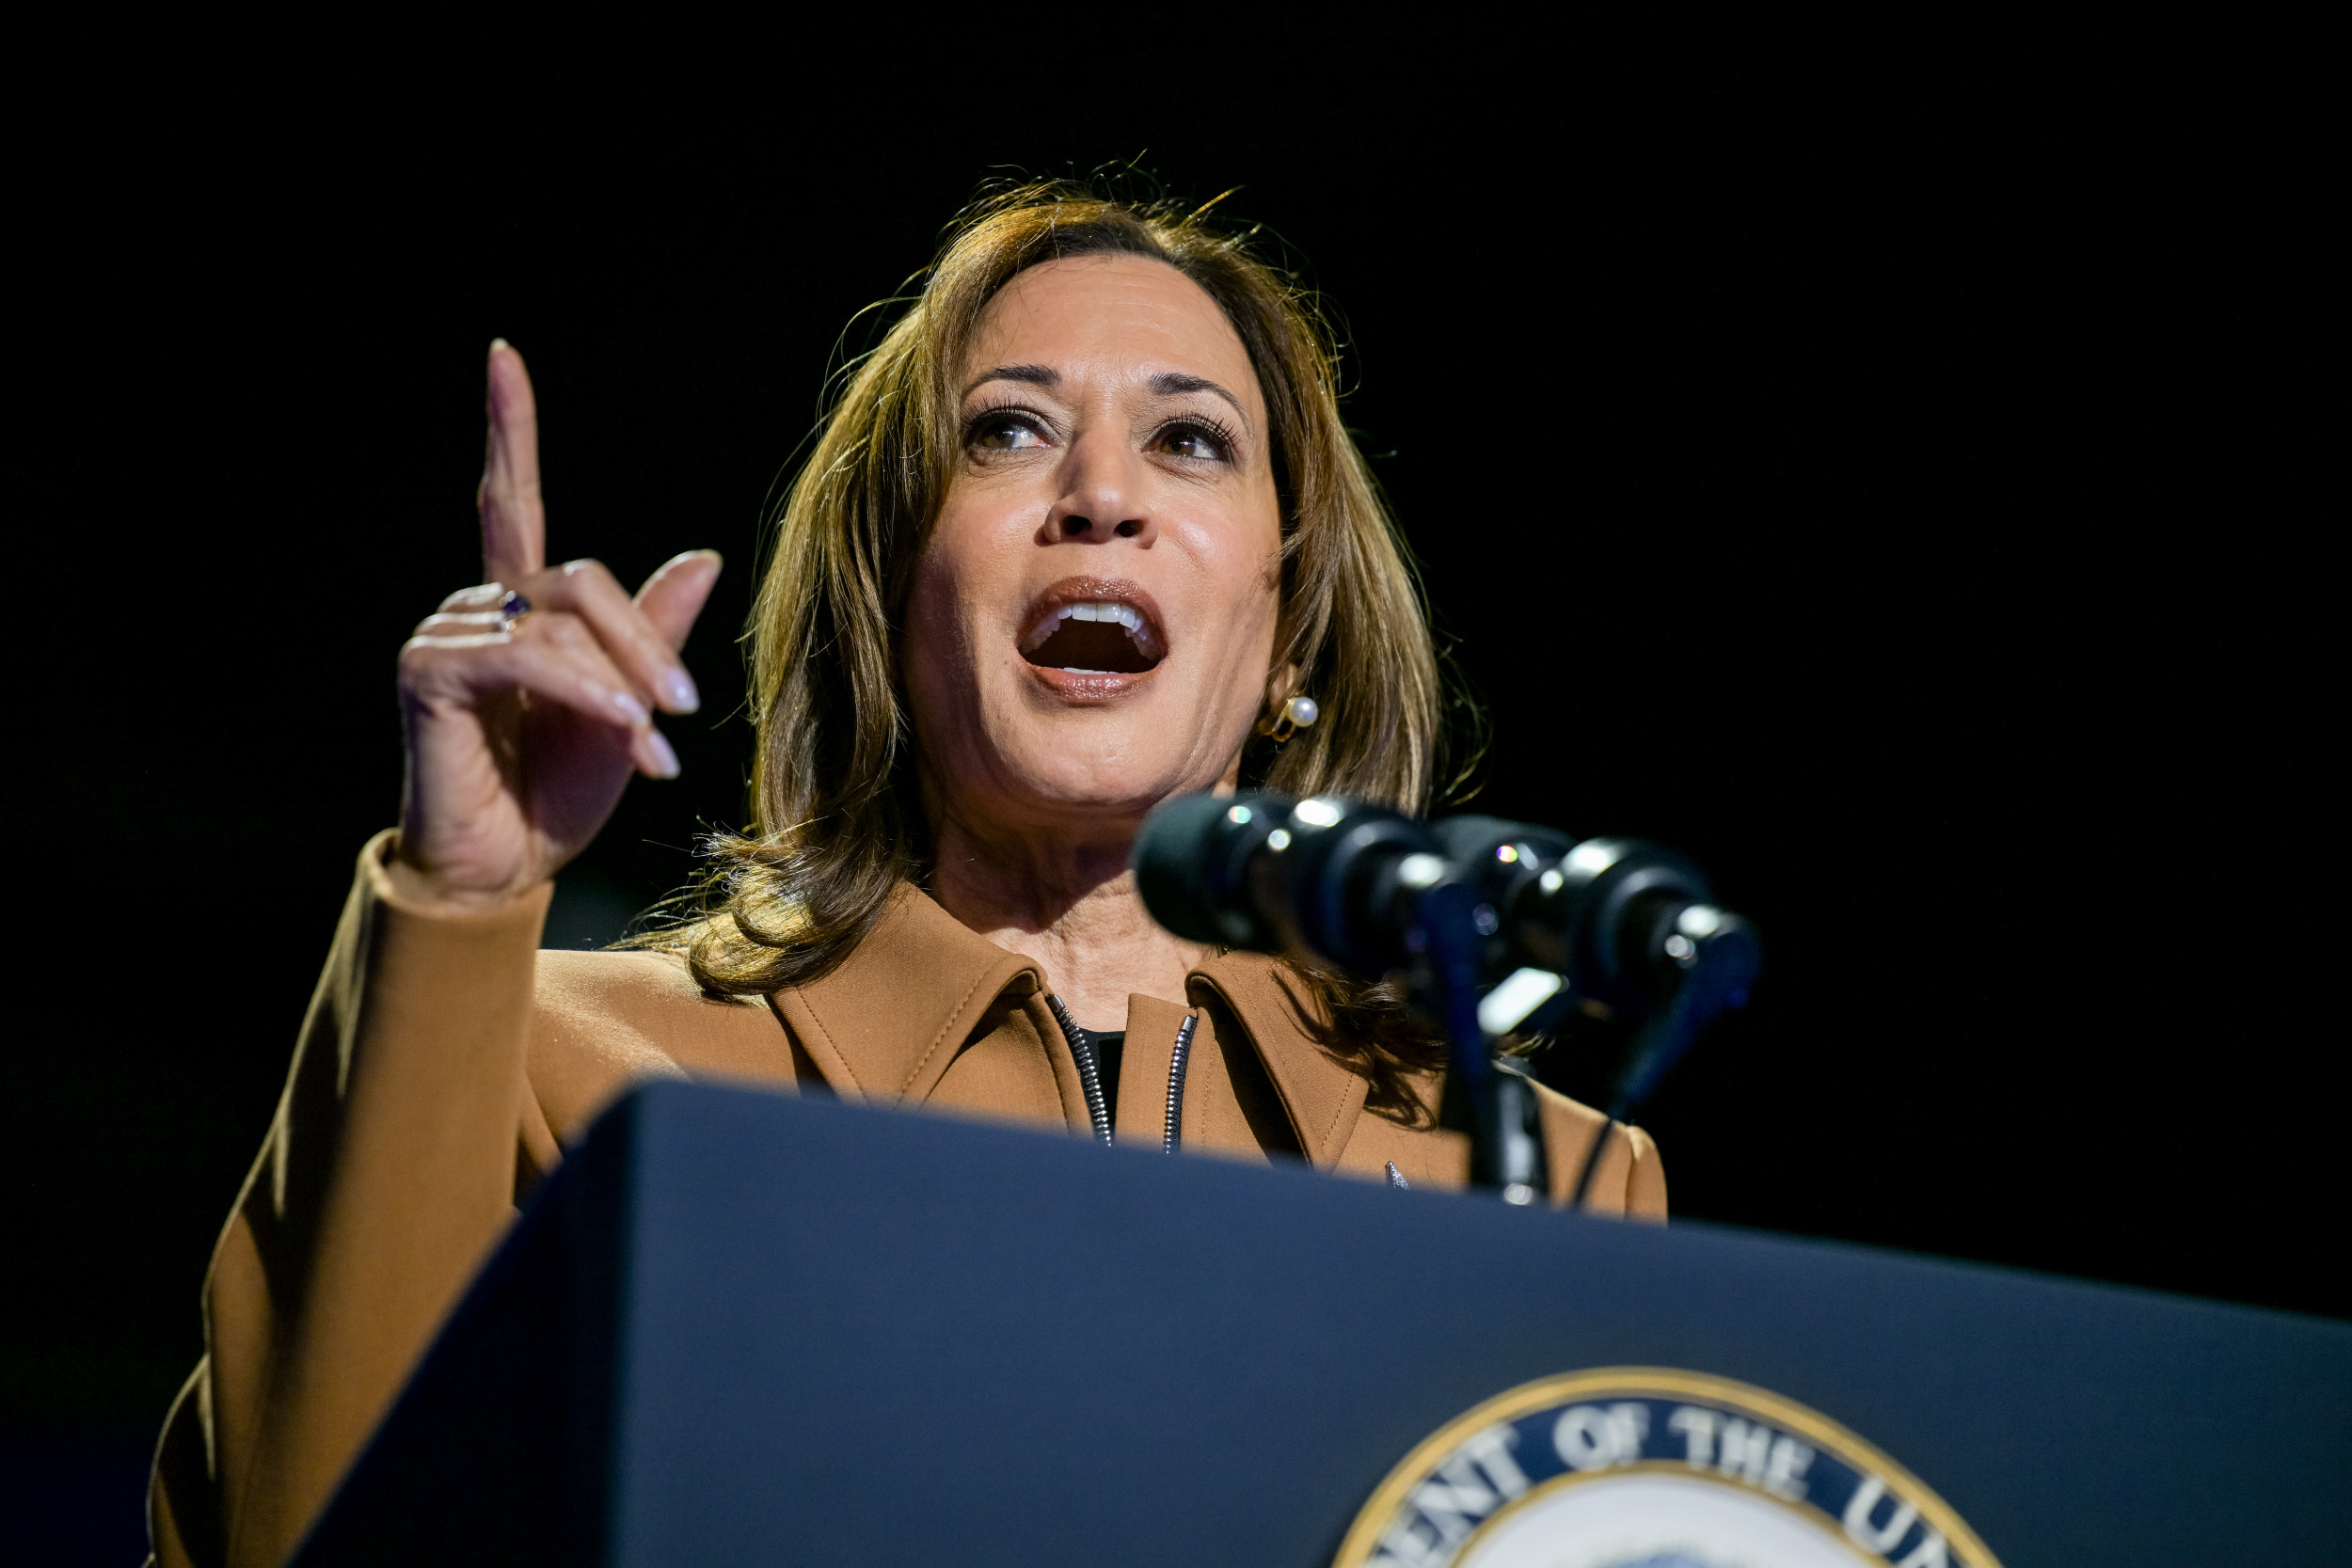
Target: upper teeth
{"x":1119,"y":614}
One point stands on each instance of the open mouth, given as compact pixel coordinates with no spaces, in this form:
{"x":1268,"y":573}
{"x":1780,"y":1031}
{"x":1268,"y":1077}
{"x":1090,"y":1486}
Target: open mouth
{"x":1083,"y":634}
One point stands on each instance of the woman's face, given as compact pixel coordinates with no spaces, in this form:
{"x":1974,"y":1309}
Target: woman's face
{"x":1092,"y":621}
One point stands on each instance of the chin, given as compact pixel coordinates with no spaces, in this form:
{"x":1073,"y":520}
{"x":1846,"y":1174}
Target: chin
{"x":1109,"y":770}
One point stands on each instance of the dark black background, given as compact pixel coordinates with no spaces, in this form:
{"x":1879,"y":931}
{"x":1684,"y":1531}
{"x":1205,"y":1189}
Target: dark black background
{"x":1871,"y":480}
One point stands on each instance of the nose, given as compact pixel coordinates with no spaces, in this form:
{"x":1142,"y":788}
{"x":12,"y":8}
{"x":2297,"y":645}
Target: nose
{"x":1102,"y":496}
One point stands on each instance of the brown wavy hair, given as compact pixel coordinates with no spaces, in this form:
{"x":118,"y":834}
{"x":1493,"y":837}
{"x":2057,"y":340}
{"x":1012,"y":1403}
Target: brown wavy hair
{"x":837,"y":817}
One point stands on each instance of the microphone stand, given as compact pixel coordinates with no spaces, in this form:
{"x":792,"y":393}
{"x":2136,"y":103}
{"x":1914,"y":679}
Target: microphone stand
{"x":1506,"y":1142}
{"x":1718,"y":956}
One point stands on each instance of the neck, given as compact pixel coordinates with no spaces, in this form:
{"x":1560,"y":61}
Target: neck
{"x":1071,"y":904}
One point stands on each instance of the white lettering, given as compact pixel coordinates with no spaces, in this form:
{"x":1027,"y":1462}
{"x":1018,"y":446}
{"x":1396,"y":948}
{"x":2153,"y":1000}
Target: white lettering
{"x":1404,"y":1545}
{"x":1629,"y":1425}
{"x":1747,"y":1450}
{"x":1491,"y":1451}
{"x":1783,"y":1476}
{"x":1585,"y":1438}
{"x":1441,"y":1513}
{"x":1590,"y":1438}
{"x":1869,"y":1534}
{"x":1404,"y":1538}
{"x":1452,"y":1508}
{"x":1697,"y":1427}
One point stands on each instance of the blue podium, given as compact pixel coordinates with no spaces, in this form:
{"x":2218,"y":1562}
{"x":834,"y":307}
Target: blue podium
{"x":743,"y":1328}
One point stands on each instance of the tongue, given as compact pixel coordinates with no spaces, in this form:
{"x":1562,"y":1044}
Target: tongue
{"x":1098,"y":645}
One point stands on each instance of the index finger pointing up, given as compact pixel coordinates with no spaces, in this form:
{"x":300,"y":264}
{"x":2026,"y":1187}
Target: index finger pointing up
{"x":514,"y":523}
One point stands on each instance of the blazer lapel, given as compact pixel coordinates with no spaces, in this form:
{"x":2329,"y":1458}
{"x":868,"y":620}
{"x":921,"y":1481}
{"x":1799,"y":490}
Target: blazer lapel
{"x":1322,"y":1097}
{"x":884,"y":1026}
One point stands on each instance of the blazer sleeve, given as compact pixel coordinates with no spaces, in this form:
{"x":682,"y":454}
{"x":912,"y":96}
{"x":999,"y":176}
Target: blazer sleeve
{"x":387,"y":1174}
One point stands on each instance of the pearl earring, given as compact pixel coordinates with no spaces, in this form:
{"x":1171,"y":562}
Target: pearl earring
{"x":1295,"y":714}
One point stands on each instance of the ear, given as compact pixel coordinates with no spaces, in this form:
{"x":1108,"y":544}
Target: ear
{"x":1279,"y":683}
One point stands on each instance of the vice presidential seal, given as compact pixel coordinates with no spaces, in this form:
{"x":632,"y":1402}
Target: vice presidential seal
{"x":1649,"y":1467}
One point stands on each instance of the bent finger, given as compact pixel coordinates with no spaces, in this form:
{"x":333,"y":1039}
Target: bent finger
{"x":567,"y":638}
{"x":675,"y":594}
{"x":482,"y":596}
{"x":570,"y":671}
{"x":585,"y":589}
{"x":448,"y":624}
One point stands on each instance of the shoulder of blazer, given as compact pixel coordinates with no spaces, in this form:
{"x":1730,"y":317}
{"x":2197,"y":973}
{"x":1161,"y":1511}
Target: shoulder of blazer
{"x":600,"y":1021}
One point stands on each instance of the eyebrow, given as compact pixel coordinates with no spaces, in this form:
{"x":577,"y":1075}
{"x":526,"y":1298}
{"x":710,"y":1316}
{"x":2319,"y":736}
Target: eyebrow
{"x":1165,"y":383}
{"x":1036,"y":375}
{"x":1169,"y":383}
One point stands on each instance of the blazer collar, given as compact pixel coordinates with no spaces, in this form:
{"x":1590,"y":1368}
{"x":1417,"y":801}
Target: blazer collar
{"x":1322,"y":1097}
{"x":884,"y":1026}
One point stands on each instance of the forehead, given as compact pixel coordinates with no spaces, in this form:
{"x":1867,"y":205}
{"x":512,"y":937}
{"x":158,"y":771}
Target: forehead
{"x":1115,"y":316}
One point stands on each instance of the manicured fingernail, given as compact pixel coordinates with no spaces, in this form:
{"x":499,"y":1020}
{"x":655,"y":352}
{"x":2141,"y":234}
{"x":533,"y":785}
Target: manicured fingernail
{"x":498,"y":343}
{"x":632,"y":707}
{"x":664,"y":760}
{"x":677,"y":689}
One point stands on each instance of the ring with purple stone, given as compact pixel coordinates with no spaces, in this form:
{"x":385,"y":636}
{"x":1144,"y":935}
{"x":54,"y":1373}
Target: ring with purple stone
{"x":514,"y":608}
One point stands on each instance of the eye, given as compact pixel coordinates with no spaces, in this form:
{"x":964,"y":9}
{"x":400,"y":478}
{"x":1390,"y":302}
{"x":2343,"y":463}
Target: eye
{"x":1194,"y":438}
{"x":1005,"y":429}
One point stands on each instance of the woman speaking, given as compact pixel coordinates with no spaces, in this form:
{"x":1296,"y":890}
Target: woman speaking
{"x":1085,"y":532}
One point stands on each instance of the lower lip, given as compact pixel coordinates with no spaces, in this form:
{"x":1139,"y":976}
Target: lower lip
{"x":1088,"y":686}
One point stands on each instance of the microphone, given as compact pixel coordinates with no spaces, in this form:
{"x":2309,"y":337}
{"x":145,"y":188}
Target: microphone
{"x":1365,"y":889}
{"x":1456,"y":907}
{"x":1600,"y":914}
{"x":1615,"y":921}
{"x":1331,"y":878}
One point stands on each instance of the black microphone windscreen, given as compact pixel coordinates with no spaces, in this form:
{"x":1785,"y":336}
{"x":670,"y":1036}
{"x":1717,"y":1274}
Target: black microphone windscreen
{"x":1173,"y":858}
{"x":1469,"y":838}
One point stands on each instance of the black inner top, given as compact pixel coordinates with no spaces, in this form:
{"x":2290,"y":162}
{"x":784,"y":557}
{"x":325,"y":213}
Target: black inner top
{"x":1106,"y":1052}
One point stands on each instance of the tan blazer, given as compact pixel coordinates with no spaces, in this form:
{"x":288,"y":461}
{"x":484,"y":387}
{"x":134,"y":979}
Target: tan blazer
{"x":445,"y":1064}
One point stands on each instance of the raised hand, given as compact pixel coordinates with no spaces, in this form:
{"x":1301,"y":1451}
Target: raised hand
{"x":523,"y":733}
